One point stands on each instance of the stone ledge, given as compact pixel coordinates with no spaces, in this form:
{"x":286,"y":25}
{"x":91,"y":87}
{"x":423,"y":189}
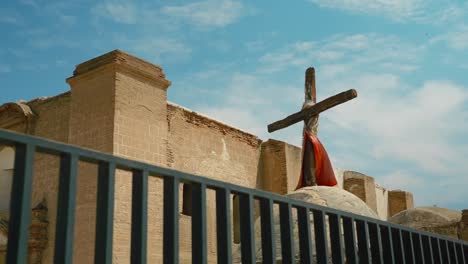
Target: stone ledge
{"x":122,"y":61}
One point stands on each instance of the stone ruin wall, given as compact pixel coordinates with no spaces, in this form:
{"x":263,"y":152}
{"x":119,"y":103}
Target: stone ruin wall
{"x":118,"y":111}
{"x":50,"y":121}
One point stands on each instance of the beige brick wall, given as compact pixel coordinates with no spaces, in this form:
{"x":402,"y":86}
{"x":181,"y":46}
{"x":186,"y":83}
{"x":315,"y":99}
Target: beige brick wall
{"x":91,"y":126}
{"x":51,"y":122}
{"x":140,"y":133}
{"x":202,"y":146}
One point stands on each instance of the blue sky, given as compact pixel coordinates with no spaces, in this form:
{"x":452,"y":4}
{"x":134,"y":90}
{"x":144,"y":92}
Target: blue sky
{"x":244,"y":63}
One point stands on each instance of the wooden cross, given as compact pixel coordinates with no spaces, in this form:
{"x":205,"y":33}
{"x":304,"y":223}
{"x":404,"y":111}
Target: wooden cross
{"x":309,"y":114}
{"x":310,"y":94}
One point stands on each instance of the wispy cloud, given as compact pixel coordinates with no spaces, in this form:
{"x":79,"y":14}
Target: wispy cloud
{"x":369,"y":49}
{"x":425,"y":11}
{"x":456,"y":39}
{"x":156,"y":48}
{"x":121,"y":12}
{"x":209,"y":13}
{"x":10,"y":17}
{"x":202,"y":14}
{"x":4,"y":68}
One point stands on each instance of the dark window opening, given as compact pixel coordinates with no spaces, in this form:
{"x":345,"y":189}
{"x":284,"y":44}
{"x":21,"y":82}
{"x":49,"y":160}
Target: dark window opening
{"x":187,"y":199}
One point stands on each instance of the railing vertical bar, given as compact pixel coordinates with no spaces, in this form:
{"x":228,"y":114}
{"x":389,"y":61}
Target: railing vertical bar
{"x":452,"y":252}
{"x":223,"y":225}
{"x":398,"y":246}
{"x":375,"y":243}
{"x":408,"y":246}
{"x":171,"y":220}
{"x":444,"y":251}
{"x":66,"y":199}
{"x":427,"y":251}
{"x":321,"y":244}
{"x":268,"y":231}
{"x":199,"y":240}
{"x":417,"y":246}
{"x":350,"y":240}
{"x":465,"y":252}
{"x":335,"y":238}
{"x":461,"y":255}
{"x":387,"y":247}
{"x":305,"y":241}
{"x":139,"y":217}
{"x":447,"y":249}
{"x":286,"y":229}
{"x":247,"y":228}
{"x":363,"y":242}
{"x":436,"y":250}
{"x":104,"y":213}
{"x":20,"y":204}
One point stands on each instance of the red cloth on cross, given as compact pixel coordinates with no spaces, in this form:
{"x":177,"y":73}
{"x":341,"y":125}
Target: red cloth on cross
{"x":324,"y":174}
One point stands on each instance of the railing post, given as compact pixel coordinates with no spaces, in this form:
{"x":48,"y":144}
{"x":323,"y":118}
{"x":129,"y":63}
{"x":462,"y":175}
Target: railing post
{"x":387,"y":244}
{"x":139,"y":234}
{"x":335,"y":238}
{"x":66,"y":209}
{"x":199,"y":251}
{"x":247,"y":228}
{"x":268,"y":231}
{"x":321,"y":241}
{"x":223,"y":225}
{"x":171,"y":221}
{"x":104,"y":213}
{"x":363,"y":241}
{"x":20,"y":204}
{"x":286,"y":229}
{"x":305,"y":241}
{"x":350,"y":240}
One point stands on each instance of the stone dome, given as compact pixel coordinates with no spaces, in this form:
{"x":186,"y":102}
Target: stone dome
{"x":425,"y":217}
{"x":333,"y":197}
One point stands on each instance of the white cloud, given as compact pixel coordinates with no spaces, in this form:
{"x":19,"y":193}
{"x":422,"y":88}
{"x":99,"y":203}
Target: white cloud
{"x":383,"y":52}
{"x":208,"y":13}
{"x":456,"y":39}
{"x":424,"y":11}
{"x":121,"y":12}
{"x":157,"y":48}
{"x":410,"y":133}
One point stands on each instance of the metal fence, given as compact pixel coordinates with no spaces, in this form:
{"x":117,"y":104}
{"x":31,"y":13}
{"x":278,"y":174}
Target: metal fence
{"x":339,"y":237}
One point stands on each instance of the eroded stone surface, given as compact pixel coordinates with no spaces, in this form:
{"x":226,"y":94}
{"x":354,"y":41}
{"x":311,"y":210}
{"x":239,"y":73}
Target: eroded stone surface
{"x":426,"y":217}
{"x":438,"y":220}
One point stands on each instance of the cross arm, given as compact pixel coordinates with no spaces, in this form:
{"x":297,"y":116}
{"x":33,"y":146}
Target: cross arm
{"x":313,"y":110}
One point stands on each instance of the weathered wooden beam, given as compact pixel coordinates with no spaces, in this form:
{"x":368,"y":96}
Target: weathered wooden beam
{"x":314,"y":110}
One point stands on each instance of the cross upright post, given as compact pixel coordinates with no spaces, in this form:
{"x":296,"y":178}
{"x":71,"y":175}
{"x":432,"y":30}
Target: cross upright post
{"x":310,"y":114}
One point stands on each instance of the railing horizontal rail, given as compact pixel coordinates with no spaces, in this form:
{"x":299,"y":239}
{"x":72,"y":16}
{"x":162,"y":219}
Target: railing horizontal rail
{"x":374,"y":237}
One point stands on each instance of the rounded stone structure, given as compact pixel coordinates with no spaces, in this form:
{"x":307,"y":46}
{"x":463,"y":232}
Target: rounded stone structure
{"x":333,"y":197}
{"x":438,"y":220}
{"x":421,"y":217}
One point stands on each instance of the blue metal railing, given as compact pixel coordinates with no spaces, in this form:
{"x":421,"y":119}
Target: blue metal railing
{"x":349,"y":238}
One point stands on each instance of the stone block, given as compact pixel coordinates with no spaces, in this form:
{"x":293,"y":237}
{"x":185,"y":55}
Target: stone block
{"x":398,"y":201}
{"x":280,"y":165}
{"x":362,"y":186}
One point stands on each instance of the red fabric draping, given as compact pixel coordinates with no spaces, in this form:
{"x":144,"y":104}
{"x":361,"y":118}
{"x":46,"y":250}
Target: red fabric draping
{"x":324,"y":174}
